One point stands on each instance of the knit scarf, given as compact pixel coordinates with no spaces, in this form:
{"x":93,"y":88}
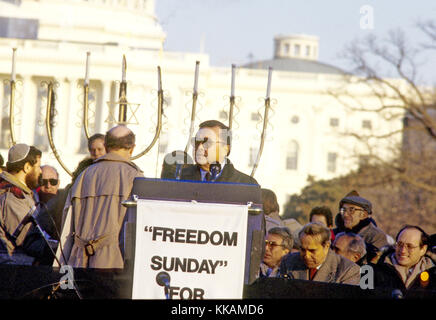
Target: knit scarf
{"x":356,"y":229}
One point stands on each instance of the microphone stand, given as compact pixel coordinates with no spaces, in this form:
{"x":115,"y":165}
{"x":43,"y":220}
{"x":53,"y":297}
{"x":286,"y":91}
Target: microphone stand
{"x":38,"y":227}
{"x":163,"y":279}
{"x":178,"y":171}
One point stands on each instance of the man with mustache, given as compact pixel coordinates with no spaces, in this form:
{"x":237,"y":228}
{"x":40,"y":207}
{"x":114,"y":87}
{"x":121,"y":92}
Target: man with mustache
{"x":16,"y":200}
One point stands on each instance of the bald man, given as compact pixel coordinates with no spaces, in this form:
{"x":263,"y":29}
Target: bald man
{"x":93,"y":214}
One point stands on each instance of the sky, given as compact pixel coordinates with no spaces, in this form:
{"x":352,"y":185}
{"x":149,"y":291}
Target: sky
{"x":230,"y":31}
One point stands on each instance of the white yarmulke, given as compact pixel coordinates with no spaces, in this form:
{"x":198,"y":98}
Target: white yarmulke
{"x":18,"y":152}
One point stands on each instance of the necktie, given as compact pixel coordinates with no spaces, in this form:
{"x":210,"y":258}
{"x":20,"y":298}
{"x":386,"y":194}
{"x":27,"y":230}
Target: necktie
{"x":207,"y":177}
{"x":312,"y":273}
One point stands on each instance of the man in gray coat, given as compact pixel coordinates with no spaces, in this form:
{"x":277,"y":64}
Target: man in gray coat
{"x":93,"y":213}
{"x":316,"y":261}
{"x":356,"y":216}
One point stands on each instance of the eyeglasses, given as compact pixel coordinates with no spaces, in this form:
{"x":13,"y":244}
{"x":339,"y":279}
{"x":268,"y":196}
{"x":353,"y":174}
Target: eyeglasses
{"x":408,"y":246}
{"x":53,"y":182}
{"x":350,"y":210}
{"x":205,"y":141}
{"x":272,"y":244}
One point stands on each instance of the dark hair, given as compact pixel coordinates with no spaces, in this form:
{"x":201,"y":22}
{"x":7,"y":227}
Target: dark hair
{"x":112,"y":142}
{"x":316,"y":229}
{"x":285,"y":233}
{"x":269,"y":201}
{"x":93,"y":138}
{"x":425,"y":238}
{"x":222,"y":126}
{"x":322,"y":211}
{"x":83,"y":164}
{"x":31,"y":158}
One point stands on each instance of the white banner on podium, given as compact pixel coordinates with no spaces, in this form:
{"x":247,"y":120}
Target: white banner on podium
{"x":198,"y":247}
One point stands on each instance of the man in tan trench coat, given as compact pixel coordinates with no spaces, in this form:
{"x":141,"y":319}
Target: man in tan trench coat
{"x":93,"y":214}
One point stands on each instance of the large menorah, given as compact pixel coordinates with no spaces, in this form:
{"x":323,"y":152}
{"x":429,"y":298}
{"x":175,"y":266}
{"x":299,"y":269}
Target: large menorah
{"x":124,"y":105}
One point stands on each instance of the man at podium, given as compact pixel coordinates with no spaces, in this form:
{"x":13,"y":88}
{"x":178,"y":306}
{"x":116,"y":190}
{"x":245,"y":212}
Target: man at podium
{"x":212,"y":145}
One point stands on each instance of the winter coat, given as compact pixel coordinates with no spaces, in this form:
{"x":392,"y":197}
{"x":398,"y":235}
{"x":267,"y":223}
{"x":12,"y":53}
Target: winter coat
{"x":228,"y":174}
{"x":16,"y":200}
{"x":368,"y":230}
{"x":334,"y":269}
{"x":388,"y":273}
{"x":93,"y":214}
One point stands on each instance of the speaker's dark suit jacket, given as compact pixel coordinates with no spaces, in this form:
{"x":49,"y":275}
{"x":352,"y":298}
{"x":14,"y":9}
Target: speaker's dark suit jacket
{"x":335,"y":269}
{"x":228,"y":174}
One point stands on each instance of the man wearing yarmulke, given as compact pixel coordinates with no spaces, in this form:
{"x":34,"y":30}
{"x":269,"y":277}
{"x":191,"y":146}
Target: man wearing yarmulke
{"x":17,"y":243}
{"x":355,"y":216}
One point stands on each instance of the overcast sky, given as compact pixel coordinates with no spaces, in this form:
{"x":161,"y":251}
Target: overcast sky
{"x":232,"y":30}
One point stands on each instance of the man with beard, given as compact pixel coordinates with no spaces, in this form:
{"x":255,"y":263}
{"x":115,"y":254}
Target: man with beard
{"x":212,"y":145}
{"x":16,"y":201}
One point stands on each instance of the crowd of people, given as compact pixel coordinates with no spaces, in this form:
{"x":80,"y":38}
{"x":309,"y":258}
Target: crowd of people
{"x":335,"y":253}
{"x":89,"y":213}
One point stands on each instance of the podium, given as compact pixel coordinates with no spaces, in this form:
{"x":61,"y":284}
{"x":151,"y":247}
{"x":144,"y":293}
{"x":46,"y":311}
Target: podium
{"x":180,"y":191}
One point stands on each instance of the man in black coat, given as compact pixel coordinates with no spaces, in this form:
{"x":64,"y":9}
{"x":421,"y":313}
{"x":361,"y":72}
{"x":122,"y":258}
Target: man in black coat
{"x":401,"y":267}
{"x":212,"y":145}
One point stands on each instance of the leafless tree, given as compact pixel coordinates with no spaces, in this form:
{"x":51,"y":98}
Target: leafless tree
{"x":390,"y":71}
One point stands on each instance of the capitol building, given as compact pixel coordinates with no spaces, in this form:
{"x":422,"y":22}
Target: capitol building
{"x":310,"y":132}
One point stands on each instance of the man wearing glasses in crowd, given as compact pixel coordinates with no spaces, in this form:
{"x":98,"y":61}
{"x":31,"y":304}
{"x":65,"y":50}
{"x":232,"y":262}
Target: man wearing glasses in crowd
{"x":47,"y":192}
{"x":399,"y":268}
{"x":355,"y":216}
{"x":278,"y":243}
{"x":212,"y":145}
{"x":49,"y":183}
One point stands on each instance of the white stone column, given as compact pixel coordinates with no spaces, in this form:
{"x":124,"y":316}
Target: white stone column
{"x":63,"y":117}
{"x":149,"y":6}
{"x":102,"y":110}
{"x":25,"y":132}
{"x":72,"y":104}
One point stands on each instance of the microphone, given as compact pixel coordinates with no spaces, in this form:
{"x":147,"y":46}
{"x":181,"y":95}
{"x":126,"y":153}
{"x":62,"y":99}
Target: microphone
{"x":178,"y":171}
{"x":397,"y":294}
{"x":163,"y":279}
{"x":215,"y":169}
